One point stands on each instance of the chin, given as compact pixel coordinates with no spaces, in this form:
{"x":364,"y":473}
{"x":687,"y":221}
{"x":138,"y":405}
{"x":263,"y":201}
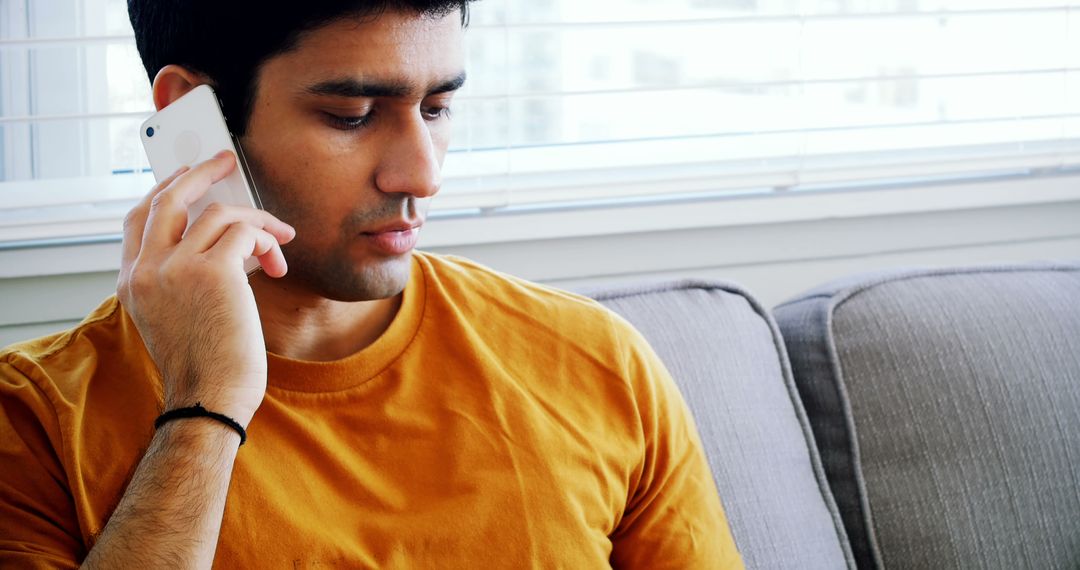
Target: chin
{"x":347,"y":281}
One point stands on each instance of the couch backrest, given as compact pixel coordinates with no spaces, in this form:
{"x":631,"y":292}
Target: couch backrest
{"x":725,"y":353}
{"x":946,"y":405}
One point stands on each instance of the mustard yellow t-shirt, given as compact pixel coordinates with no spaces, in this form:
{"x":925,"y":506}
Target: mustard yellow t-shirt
{"x":495,"y":424}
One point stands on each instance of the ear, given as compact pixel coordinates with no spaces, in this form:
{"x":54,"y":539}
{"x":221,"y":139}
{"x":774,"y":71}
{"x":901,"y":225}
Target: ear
{"x":172,"y":82}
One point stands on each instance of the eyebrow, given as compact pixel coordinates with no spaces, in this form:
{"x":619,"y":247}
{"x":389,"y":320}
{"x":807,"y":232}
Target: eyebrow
{"x":354,"y":88}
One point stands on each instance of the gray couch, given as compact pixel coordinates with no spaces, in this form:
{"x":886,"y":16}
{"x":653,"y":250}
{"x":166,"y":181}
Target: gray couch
{"x":909,"y":419}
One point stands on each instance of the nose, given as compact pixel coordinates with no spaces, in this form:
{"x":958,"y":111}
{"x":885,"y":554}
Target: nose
{"x":410,"y":161}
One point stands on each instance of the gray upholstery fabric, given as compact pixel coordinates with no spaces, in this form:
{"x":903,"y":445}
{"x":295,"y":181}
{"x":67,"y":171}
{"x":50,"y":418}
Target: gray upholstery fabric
{"x":725,"y":353}
{"x":946,"y":405}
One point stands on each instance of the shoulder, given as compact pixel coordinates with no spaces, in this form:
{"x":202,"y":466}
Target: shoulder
{"x":59,"y":364}
{"x":464,"y":279}
{"x":517,"y":306}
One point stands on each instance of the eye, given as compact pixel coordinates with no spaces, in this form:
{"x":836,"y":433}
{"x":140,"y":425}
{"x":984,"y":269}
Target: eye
{"x":347,"y":123}
{"x":435,"y":113}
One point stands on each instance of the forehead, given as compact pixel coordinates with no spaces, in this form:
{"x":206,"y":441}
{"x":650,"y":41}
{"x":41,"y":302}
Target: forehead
{"x":397,"y":45}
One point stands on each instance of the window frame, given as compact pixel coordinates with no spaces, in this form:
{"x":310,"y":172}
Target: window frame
{"x":448,"y":230}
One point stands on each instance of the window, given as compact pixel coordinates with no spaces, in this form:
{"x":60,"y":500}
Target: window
{"x":605,"y":101}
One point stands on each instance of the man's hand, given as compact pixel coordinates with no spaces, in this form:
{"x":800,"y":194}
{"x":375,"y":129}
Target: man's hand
{"x":188,"y":293}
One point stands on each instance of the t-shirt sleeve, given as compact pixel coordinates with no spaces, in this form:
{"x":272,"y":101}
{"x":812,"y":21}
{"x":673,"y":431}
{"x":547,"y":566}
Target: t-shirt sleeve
{"x":673,"y":517}
{"x":38,"y":525}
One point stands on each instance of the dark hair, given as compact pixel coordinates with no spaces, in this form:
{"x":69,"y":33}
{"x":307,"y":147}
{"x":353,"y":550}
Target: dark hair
{"x":228,"y":41}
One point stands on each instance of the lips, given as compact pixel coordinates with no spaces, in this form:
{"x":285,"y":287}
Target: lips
{"x":397,"y":238}
{"x":395,"y":227}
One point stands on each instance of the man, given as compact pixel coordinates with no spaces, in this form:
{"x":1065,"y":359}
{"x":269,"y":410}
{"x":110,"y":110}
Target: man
{"x":404,"y":409}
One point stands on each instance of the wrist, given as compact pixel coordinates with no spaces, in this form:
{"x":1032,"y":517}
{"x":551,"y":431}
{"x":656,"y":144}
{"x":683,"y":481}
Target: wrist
{"x":196,"y":412}
{"x":233,"y":406}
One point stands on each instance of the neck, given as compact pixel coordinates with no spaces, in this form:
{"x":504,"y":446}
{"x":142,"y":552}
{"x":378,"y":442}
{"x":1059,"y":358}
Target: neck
{"x":300,"y":325}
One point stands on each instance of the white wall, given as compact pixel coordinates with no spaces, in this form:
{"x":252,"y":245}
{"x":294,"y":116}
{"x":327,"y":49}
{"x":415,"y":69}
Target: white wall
{"x":774,"y":261}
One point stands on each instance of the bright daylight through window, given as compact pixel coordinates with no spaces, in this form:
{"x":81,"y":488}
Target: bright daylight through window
{"x":571,"y":102}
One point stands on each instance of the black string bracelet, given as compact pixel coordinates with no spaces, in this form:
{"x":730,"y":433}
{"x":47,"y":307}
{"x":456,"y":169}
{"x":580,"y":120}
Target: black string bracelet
{"x":197,"y":411}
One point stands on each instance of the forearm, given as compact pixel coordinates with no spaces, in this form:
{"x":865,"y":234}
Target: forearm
{"x":170,"y":514}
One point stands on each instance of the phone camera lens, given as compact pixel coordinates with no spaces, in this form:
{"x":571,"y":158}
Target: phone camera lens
{"x":149,"y":131}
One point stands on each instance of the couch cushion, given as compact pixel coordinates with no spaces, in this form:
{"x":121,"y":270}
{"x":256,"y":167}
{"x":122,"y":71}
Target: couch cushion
{"x":946,"y":405}
{"x":725,"y":353}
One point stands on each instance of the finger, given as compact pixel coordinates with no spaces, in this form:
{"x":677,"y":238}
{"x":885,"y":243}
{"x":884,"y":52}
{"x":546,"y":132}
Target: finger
{"x":216,"y":219}
{"x":168,"y":210}
{"x":135,"y":221}
{"x":273,"y":261}
{"x":241,"y":241}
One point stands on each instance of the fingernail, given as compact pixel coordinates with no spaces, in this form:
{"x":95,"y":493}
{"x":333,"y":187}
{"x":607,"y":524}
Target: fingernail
{"x":222,"y":154}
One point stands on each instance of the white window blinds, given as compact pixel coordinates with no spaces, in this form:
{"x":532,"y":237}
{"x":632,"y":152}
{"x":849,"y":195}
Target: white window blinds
{"x":572,"y":103}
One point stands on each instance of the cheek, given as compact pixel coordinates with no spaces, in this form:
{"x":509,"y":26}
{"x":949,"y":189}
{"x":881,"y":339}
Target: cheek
{"x":280,"y":184}
{"x":301,"y":143}
{"x":311,"y":170}
{"x":317,"y":186}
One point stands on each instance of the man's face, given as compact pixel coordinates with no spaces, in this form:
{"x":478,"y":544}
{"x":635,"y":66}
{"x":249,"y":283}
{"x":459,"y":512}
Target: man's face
{"x":346,"y":140}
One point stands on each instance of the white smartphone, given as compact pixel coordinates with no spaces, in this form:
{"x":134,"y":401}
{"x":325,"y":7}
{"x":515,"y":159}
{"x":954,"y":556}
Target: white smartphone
{"x":188,"y":131}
